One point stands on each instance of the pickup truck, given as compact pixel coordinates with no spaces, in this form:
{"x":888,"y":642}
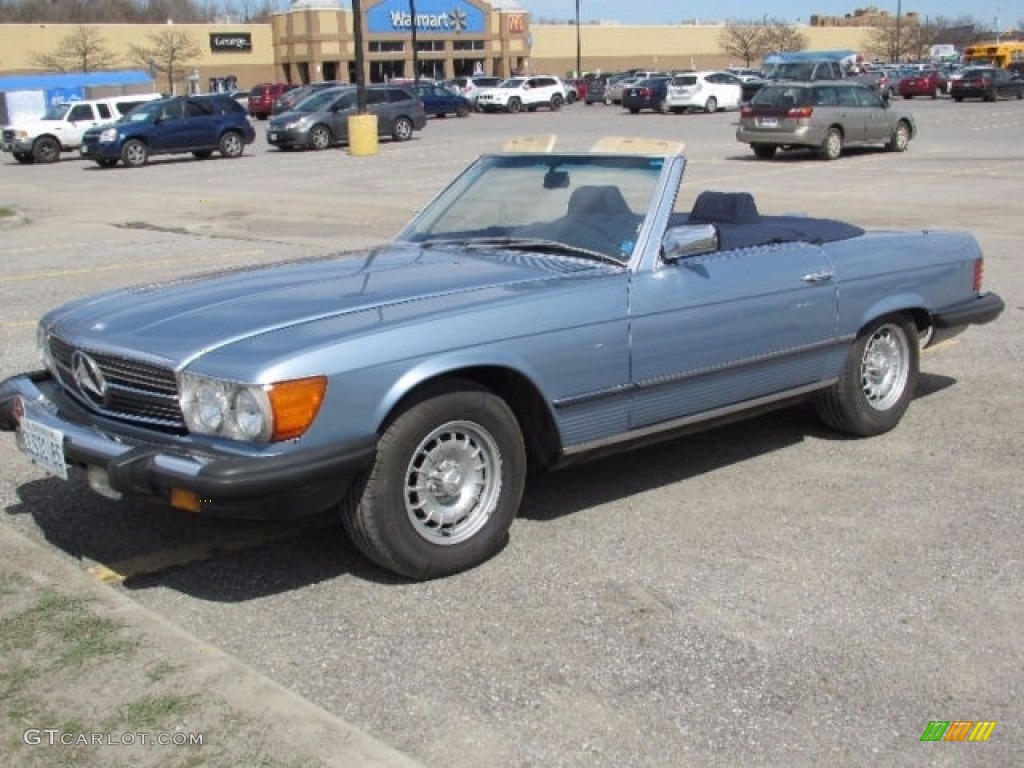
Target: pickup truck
{"x":824,"y":69}
{"x":60,"y":129}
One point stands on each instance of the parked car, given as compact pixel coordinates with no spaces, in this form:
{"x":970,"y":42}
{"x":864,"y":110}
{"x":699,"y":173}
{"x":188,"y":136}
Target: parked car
{"x":987,"y":83}
{"x":648,"y":93}
{"x":321,"y":120}
{"x":62,"y":126}
{"x":596,"y":89}
{"x":287,"y":100}
{"x":826,"y":116}
{"x":544,"y":308}
{"x":707,"y":91}
{"x":440,"y":101}
{"x":925,"y":82}
{"x":197,"y":124}
{"x":613,"y":90}
{"x":470,"y":87}
{"x":519,"y":93}
{"x":262,"y":97}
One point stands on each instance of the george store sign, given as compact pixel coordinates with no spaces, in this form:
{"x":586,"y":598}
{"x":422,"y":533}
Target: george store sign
{"x":439,"y":16}
{"x":233,"y":42}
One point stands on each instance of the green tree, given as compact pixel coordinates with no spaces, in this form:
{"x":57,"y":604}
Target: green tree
{"x":169,"y":52}
{"x":83,"y":50}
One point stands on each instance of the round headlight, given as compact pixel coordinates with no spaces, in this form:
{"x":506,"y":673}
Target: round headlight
{"x":250,"y":415}
{"x":210,"y":406}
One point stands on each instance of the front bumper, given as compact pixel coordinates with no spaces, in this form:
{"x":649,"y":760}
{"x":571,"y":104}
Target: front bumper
{"x":137,"y":462}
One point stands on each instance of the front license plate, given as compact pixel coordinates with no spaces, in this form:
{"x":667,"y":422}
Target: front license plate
{"x":767,"y":122}
{"x":271,"y":137}
{"x":44,"y":446}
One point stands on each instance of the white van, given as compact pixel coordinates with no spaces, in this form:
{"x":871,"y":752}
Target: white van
{"x":41,"y":140}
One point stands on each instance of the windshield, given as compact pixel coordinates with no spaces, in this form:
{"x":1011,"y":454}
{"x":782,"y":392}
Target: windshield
{"x":594,"y":203}
{"x":57,"y":111}
{"x":144,"y":113}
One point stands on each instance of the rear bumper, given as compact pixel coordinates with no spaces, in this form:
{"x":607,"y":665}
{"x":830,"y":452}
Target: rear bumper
{"x":978,"y":311}
{"x":254,"y":485}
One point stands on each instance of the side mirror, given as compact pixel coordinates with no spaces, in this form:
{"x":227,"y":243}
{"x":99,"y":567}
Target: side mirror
{"x":689,"y":240}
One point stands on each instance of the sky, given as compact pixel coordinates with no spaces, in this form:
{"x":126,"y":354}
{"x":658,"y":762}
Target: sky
{"x":675,"y":11}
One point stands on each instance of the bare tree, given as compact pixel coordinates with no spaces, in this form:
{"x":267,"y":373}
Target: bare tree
{"x":84,"y":50}
{"x":752,"y":40}
{"x":169,"y":51}
{"x":781,"y":37}
{"x":744,"y":40}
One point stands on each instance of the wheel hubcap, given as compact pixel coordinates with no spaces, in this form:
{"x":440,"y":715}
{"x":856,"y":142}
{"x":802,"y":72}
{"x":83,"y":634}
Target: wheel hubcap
{"x":884,"y":368}
{"x":453,"y":483}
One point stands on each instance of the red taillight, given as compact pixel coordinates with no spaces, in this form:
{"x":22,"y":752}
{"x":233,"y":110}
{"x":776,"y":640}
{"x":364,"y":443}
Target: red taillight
{"x":979,"y":274}
{"x":800,"y":112}
{"x":746,"y":112}
{"x":645,"y":92}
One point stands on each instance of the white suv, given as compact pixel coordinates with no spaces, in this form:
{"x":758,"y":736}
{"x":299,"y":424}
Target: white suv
{"x":519,"y":93}
{"x":41,"y":140}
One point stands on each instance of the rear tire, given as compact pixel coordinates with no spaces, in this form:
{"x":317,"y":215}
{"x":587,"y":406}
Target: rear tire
{"x":514,"y":105}
{"x":445,"y":485}
{"x":878,"y":381}
{"x":900,"y":140}
{"x":231,"y":145}
{"x":832,"y":147}
{"x":711,"y":105}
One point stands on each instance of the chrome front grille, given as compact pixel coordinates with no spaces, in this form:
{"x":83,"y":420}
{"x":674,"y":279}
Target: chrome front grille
{"x":129,"y":390}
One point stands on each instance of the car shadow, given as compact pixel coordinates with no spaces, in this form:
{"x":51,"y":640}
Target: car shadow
{"x":144,"y":544}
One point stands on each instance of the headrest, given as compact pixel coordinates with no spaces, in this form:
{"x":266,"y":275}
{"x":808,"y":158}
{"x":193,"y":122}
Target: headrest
{"x":725,"y":207}
{"x":604,"y":200}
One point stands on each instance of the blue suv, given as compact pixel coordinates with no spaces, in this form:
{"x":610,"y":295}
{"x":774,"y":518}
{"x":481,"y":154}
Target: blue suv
{"x":196,"y":124}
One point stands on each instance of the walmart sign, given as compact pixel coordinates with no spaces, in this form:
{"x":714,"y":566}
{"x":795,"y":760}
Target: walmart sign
{"x":440,"y":16}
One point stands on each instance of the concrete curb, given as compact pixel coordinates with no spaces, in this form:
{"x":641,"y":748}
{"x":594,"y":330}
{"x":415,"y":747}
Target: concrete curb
{"x":292,"y":723}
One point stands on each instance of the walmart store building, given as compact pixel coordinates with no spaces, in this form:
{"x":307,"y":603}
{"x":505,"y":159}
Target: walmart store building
{"x":315,"y":40}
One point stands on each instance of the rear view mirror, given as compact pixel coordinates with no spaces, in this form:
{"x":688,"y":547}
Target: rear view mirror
{"x":556,"y":179}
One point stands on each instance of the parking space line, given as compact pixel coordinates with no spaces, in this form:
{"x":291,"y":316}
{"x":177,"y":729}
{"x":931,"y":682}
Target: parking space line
{"x":195,"y":552}
{"x":175,"y":261}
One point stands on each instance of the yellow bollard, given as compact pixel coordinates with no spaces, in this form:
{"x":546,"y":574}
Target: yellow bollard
{"x":362,"y":135}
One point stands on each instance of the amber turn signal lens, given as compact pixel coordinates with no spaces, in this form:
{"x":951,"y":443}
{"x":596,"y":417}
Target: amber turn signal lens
{"x":295,"y":405}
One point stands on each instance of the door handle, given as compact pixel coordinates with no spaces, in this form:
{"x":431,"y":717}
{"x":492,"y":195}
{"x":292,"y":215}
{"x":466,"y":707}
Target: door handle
{"x":818,"y":277}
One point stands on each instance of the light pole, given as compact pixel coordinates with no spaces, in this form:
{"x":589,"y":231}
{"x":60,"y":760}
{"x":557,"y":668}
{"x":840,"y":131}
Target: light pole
{"x":415,"y":52}
{"x":899,"y":12}
{"x":579,"y":55}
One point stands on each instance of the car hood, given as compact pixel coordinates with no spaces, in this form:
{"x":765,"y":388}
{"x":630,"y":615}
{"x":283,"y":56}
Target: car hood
{"x":176,"y":322}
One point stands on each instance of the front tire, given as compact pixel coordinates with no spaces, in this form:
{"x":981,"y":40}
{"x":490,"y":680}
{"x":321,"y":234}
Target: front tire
{"x":514,"y":105}
{"x":556,"y":103}
{"x":878,"y":381}
{"x":711,"y":105}
{"x":403,"y":129}
{"x":134,"y":153}
{"x":320,"y":137}
{"x":46,"y":150}
{"x":445,"y":485}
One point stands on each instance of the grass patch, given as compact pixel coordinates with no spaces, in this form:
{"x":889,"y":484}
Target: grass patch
{"x":152,"y":711}
{"x":161,"y":672}
{"x":6,"y":212}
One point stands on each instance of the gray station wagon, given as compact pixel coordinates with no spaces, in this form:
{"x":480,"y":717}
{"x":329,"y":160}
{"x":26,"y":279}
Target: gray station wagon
{"x":321,"y":120}
{"x":826,"y":116}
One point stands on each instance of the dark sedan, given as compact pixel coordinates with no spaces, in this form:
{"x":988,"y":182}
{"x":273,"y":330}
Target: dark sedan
{"x":440,"y":101}
{"x":928,"y":82}
{"x":987,"y":83}
{"x":645,"y":94}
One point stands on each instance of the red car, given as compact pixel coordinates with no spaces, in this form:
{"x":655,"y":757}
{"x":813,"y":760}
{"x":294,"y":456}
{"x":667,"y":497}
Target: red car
{"x":262,"y":97}
{"x":928,"y":82}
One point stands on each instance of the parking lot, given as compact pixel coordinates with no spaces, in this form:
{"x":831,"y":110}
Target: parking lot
{"x":763,"y":594}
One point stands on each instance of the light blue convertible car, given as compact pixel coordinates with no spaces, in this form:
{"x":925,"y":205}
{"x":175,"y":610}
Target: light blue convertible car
{"x":544,"y":307}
